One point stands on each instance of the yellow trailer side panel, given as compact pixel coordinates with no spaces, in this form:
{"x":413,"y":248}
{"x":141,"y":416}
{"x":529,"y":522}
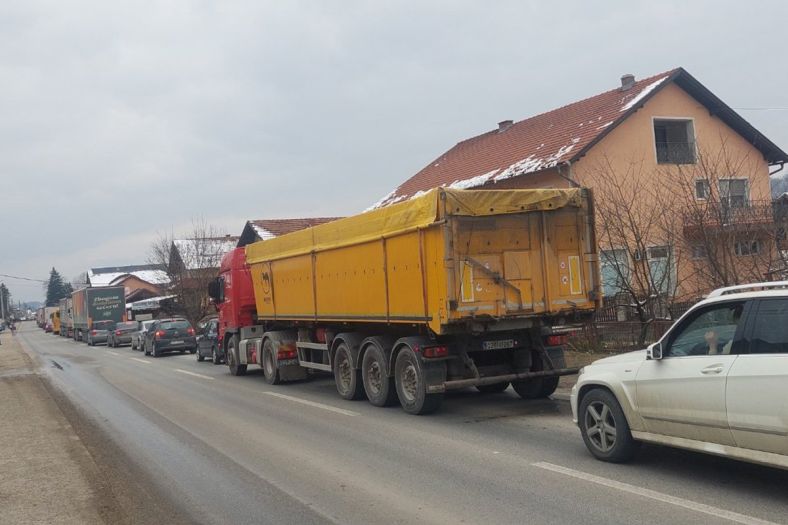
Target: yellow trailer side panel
{"x":444,"y":258}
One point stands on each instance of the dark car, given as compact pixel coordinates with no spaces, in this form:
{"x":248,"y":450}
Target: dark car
{"x":99,"y":332}
{"x":122,"y":333}
{"x":208,"y":341}
{"x":169,"y":335}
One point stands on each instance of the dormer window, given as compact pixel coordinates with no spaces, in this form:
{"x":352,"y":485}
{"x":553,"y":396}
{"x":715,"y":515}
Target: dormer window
{"x":675,"y":141}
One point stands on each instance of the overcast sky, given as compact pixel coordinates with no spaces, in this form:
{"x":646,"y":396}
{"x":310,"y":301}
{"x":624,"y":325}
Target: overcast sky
{"x":122,"y":120}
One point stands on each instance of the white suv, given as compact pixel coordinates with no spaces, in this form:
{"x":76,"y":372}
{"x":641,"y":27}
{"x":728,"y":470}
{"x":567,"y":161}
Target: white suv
{"x":717,"y":382}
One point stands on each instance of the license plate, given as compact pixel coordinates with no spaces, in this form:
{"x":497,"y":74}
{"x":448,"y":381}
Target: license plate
{"x":176,"y":342}
{"x":498,"y":345}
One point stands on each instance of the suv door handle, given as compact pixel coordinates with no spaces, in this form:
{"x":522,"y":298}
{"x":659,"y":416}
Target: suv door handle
{"x":713,"y":369}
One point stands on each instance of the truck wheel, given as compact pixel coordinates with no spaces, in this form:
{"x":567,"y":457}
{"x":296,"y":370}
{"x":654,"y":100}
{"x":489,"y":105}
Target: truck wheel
{"x":411,"y":387}
{"x":232,"y":359}
{"x":536,"y":388}
{"x":270,"y":371}
{"x":493,"y":389}
{"x":378,"y":386}
{"x":349,"y":384}
{"x":604,"y":427}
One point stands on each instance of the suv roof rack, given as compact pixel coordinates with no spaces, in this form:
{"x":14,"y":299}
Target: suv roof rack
{"x":739,"y":288}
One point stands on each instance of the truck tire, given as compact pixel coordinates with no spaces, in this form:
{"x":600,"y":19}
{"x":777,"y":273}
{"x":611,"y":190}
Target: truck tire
{"x":493,"y":389}
{"x":347,"y":378}
{"x":411,"y":387}
{"x":236,"y":369}
{"x":604,"y":427}
{"x":378,"y":385}
{"x":270,"y":371}
{"x":536,"y":388}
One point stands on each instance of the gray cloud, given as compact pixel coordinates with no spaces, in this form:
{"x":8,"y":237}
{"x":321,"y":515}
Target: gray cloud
{"x":121,"y":119}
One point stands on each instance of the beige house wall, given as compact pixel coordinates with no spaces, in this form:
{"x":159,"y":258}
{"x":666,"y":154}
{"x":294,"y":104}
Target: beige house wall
{"x":632,"y":143}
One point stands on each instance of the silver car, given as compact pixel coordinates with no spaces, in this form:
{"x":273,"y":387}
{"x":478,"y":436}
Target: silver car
{"x":716,"y":382}
{"x":99,"y":331}
{"x":138,"y":337}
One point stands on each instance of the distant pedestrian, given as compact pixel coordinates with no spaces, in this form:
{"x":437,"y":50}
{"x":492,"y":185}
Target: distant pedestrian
{"x":13,"y":328}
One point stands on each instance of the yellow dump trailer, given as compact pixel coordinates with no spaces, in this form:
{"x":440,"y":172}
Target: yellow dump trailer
{"x":453,"y":288}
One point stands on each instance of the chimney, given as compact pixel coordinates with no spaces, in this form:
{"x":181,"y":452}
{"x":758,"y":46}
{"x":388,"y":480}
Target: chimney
{"x":504,"y":125}
{"x":627,"y":81}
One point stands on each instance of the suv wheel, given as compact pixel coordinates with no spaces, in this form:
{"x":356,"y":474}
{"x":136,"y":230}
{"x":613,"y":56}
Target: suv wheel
{"x":604,"y":427}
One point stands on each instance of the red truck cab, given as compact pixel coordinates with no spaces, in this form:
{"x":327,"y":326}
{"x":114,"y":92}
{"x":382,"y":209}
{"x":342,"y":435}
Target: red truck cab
{"x":233,"y":295}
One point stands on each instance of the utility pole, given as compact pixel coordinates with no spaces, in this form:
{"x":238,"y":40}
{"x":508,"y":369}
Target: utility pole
{"x":2,"y":301}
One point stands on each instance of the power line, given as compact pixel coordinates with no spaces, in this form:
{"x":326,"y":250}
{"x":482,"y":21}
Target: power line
{"x":24,"y":278}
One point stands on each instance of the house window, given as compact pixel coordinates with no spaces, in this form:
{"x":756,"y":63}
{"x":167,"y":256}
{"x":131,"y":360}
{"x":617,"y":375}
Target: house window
{"x":733,"y":192}
{"x":614,"y":271}
{"x":702,"y":189}
{"x":743,"y":248}
{"x":699,"y":251}
{"x":658,"y":252}
{"x":674,"y":141}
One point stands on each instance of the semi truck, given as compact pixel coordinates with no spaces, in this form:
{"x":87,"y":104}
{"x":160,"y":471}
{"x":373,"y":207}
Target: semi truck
{"x":66,"y":319}
{"x":48,"y":312}
{"x":449,"y":290}
{"x":101,"y":303}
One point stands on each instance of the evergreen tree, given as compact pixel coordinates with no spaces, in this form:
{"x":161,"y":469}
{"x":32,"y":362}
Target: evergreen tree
{"x":56,"y":289}
{"x":6,"y":300}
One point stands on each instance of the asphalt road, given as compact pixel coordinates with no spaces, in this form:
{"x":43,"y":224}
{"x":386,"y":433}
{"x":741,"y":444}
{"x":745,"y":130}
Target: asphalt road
{"x":225,"y":449}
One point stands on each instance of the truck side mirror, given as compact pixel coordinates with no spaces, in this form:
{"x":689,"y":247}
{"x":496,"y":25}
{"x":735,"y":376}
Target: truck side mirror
{"x":654,"y":351}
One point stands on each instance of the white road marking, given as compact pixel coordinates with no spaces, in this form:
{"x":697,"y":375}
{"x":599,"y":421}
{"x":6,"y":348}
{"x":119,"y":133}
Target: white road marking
{"x":313,"y":404}
{"x":652,"y":494}
{"x":193,"y":374}
{"x":113,"y":353}
{"x":140,"y":360}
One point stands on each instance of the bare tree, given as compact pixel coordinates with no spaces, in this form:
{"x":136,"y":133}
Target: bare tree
{"x":638,"y":236}
{"x":192,"y":261}
{"x":730,"y":238}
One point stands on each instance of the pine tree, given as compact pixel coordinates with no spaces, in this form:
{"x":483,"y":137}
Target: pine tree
{"x":6,"y":300}
{"x":55,"y":288}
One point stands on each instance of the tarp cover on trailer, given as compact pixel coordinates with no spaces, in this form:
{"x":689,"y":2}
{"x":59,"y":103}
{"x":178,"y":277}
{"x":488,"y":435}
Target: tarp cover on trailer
{"x":418,"y":212}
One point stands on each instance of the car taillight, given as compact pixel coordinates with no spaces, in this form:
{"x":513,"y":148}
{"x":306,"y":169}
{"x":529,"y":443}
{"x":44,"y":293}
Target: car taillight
{"x":190,"y":330}
{"x":159,"y":334}
{"x":435,"y":351}
{"x":287,"y":353}
{"x":117,"y":332}
{"x":556,"y":340}
{"x":93,"y":332}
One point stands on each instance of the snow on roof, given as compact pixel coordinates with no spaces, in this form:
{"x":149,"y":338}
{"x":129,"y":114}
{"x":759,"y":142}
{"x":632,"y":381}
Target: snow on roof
{"x":108,"y":276}
{"x":198,"y":254}
{"x":643,"y":93}
{"x":528,"y":146}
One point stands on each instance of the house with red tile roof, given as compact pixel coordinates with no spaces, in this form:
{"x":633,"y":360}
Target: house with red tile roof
{"x":661,"y":124}
{"x":263,"y":229}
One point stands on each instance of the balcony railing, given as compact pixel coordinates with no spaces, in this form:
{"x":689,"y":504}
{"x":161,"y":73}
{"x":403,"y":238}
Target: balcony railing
{"x":676,"y":152}
{"x":736,"y":216}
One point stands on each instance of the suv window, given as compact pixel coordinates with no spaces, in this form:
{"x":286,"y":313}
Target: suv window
{"x":770,"y":328}
{"x":709,"y":331}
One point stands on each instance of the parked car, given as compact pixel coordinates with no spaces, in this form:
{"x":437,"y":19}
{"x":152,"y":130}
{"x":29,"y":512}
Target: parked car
{"x":167,"y":335}
{"x":121,"y":335}
{"x":716,"y":382}
{"x":208,"y":341}
{"x":99,"y":332}
{"x":138,"y":337}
